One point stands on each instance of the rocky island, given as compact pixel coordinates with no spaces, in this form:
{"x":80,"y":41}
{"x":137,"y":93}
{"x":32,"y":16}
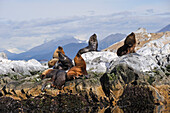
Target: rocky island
{"x":135,"y":82}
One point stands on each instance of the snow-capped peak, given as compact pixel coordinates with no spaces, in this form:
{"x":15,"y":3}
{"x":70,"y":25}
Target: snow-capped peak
{"x":141,"y":30}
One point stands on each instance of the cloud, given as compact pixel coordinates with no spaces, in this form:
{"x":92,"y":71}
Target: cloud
{"x":14,"y":50}
{"x":150,"y":11}
{"x":164,"y":14}
{"x":27,"y":34}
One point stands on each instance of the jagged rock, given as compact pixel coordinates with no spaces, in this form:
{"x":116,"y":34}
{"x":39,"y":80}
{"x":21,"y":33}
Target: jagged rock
{"x":98,"y":61}
{"x":136,"y":61}
{"x":103,"y":89}
{"x":20,"y":67}
{"x":163,"y":60}
{"x":45,"y":103}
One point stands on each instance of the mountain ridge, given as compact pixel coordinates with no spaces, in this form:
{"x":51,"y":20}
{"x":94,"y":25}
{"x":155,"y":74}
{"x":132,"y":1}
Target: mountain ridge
{"x":111,"y":39}
{"x":164,"y":29}
{"x":70,"y":44}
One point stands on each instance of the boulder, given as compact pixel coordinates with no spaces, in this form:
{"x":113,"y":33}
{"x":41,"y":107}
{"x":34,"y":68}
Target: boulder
{"x":20,"y":67}
{"x":98,"y":61}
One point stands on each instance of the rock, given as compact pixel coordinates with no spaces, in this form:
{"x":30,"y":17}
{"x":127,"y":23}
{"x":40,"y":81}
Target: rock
{"x":136,"y":61}
{"x":165,"y":49}
{"x":98,"y":61}
{"x":20,"y":67}
{"x":121,"y":85}
{"x":163,"y":60}
{"x":45,"y":103}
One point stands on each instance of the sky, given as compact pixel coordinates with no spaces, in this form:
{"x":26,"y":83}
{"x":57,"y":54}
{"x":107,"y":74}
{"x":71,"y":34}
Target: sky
{"x":25,"y":24}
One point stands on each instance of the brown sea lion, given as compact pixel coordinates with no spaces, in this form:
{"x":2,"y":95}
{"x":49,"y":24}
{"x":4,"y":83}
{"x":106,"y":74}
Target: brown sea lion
{"x":93,"y":45}
{"x":64,"y":62}
{"x":79,"y":68}
{"x":58,"y":78}
{"x":52,"y":62}
{"x":55,"y":59}
{"x":59,"y":49}
{"x":129,"y":45}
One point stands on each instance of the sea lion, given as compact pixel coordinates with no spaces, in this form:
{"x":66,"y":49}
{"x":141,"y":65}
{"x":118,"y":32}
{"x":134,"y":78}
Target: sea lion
{"x":58,"y":78}
{"x":59,"y":49}
{"x":129,"y":45}
{"x":122,"y":50}
{"x":93,"y":45}
{"x":79,"y":68}
{"x":131,"y":42}
{"x":55,"y":59}
{"x":64,"y":62}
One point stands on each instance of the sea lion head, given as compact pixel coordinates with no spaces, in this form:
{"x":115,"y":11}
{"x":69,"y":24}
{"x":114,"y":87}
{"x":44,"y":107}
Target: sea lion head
{"x":52,"y":62}
{"x":93,"y":41}
{"x":45,"y":73}
{"x":59,"y":49}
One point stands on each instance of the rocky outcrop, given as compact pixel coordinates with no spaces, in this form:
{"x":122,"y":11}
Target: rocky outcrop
{"x":136,"y":81}
{"x":122,"y":86}
{"x":45,"y":103}
{"x":98,"y":61}
{"x":19,"y":67}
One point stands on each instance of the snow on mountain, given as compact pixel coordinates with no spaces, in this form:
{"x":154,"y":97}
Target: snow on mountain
{"x":141,"y":30}
{"x":19,"y":67}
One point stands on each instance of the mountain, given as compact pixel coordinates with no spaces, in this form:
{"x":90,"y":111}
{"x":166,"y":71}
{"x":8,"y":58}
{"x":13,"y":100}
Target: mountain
{"x":9,"y":54}
{"x":166,"y":28}
{"x":70,"y":49}
{"x":42,"y":49}
{"x":111,"y":39}
{"x":71,"y":46}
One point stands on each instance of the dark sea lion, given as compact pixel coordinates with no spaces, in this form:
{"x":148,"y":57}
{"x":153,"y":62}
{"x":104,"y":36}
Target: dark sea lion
{"x":58,"y":78}
{"x":129,"y":45}
{"x":130,"y":40}
{"x":55,"y":59}
{"x":123,"y":50}
{"x":64,"y":62}
{"x":93,"y":45}
{"x":79,"y":68}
